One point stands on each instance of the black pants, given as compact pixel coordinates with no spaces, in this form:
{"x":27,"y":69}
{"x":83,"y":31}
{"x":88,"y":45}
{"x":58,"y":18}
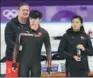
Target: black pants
{"x":25,"y":69}
{"x":78,"y":73}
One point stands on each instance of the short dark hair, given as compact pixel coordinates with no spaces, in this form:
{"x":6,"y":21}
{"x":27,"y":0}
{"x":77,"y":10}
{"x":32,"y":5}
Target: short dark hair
{"x":79,"y":17}
{"x":22,"y":4}
{"x":35,"y":14}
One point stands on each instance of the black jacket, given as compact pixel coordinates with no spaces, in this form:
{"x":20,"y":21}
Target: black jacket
{"x":67,"y":49}
{"x":12,"y":29}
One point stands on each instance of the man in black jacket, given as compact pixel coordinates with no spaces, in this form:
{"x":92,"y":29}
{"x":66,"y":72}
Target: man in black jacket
{"x":30,"y":43}
{"x":73,"y":41}
{"x":13,"y":27}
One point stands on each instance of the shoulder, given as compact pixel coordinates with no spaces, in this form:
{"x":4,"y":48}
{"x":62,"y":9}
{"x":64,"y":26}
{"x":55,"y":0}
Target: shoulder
{"x":85,"y":35}
{"x":12,"y":22}
{"x":43,"y":30}
{"x":66,"y":35}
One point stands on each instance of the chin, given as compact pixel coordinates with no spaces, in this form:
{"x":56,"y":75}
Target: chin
{"x":25,"y":17}
{"x":76,"y":30}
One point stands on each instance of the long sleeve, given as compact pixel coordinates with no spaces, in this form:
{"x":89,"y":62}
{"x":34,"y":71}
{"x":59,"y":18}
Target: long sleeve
{"x":62,"y":49}
{"x":48,"y":49}
{"x":89,"y":48}
{"x":16,"y":48}
{"x":47,"y":44}
{"x":9,"y":35}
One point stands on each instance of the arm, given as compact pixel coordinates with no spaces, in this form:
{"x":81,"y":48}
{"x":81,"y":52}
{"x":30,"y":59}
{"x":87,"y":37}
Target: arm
{"x":89,"y":48}
{"x":48,"y":48}
{"x":16,"y":49}
{"x":15,"y":53}
{"x":62,"y":49}
{"x":9,"y":35}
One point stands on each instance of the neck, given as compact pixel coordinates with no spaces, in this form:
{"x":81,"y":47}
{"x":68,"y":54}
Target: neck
{"x":22,"y":21}
{"x":34,"y":27}
{"x":76,"y":30}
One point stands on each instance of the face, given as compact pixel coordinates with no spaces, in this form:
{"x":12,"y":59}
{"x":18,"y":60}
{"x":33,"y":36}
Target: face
{"x":76,"y":24}
{"x":34,"y":22}
{"x":23,"y":11}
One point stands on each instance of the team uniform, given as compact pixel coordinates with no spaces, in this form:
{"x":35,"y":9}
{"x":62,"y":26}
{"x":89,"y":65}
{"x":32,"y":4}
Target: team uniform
{"x":30,"y":43}
{"x":67,"y":49}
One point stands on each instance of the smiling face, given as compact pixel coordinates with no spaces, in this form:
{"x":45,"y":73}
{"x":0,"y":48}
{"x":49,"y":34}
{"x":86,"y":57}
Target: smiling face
{"x":34,"y":22}
{"x":35,"y":17}
{"x":76,"y":24}
{"x":23,"y":11}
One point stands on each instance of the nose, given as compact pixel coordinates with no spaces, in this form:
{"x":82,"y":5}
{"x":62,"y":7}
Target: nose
{"x":32,"y":21}
{"x":26,"y":11}
{"x":75,"y":24}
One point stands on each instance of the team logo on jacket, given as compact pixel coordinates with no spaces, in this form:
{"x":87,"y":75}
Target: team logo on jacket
{"x":38,"y":34}
{"x":81,"y":37}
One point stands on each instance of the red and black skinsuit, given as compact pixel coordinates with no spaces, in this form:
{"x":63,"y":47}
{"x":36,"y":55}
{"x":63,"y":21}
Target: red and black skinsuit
{"x":30,"y":42}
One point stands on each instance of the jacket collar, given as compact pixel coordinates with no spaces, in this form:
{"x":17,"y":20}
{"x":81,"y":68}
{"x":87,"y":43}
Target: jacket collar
{"x":70,"y":31}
